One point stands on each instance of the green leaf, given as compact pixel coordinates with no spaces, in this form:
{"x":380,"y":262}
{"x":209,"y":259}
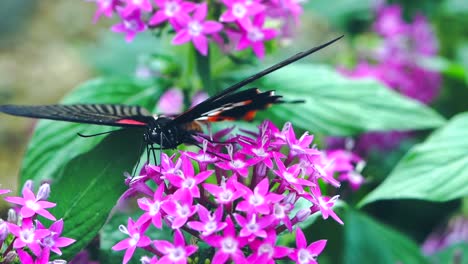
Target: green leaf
{"x":89,"y":185}
{"x":367,"y":241}
{"x":436,"y":170}
{"x":336,"y":105}
{"x":55,"y":143}
{"x":455,"y":6}
{"x":457,"y":253}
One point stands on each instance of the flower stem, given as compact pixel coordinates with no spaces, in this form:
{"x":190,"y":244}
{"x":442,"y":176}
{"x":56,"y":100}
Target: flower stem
{"x":204,"y":71}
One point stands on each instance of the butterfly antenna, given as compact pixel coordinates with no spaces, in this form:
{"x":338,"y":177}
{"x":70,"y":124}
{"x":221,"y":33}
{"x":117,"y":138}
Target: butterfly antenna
{"x":98,"y":134}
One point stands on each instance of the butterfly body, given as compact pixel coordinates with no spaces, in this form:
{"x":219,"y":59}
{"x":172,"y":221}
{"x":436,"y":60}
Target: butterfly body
{"x":168,"y":135}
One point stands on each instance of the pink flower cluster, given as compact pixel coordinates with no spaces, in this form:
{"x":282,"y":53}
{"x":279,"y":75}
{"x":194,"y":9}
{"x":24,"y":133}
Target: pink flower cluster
{"x":28,"y":234}
{"x":397,"y":63}
{"x":239,"y":23}
{"x":236,"y":196}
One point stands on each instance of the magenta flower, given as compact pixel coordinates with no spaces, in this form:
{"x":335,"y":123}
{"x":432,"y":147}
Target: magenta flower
{"x":104,"y":7}
{"x":28,"y":236}
{"x":389,"y":21}
{"x":266,"y":250}
{"x":238,"y":162}
{"x":226,"y":193}
{"x":54,"y":241}
{"x":290,"y":176}
{"x":186,"y":180}
{"x":300,"y":146}
{"x":3,"y":191}
{"x":259,"y":200}
{"x":252,"y":227}
{"x":259,"y":149}
{"x":324,"y":203}
{"x":425,"y":40}
{"x":137,"y":5}
{"x":239,"y":10}
{"x":176,"y":253}
{"x":199,"y":97}
{"x":229,"y":245}
{"x":173,"y":11}
{"x":306,"y":254}
{"x":31,"y":205}
{"x":254,"y":35}
{"x":171,"y":102}
{"x":206,"y":203}
{"x":196,"y":28}
{"x":24,"y":257}
{"x":136,"y":239}
{"x":131,"y":24}
{"x":208,"y":223}
{"x":152,"y":208}
{"x":179,"y":208}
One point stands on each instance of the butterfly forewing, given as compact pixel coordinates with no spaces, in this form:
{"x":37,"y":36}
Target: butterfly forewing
{"x":101,"y":114}
{"x":241,"y":105}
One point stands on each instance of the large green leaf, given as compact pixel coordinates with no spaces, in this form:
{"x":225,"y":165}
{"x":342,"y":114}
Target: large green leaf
{"x":339,"y":106}
{"x":367,"y":241}
{"x":55,"y":143}
{"x":88,"y":187}
{"x":436,"y":170}
{"x":457,"y":253}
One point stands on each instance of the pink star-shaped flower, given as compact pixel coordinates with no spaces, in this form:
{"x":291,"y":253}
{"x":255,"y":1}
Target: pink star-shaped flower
{"x":209,"y":223}
{"x":229,"y":245}
{"x":173,"y":11}
{"x":196,"y":28}
{"x":187,"y":179}
{"x":28,"y":236}
{"x":254,"y":35}
{"x":180,"y":207}
{"x":137,"y":5}
{"x":226,"y":192}
{"x":251,"y":226}
{"x":152,"y":208}
{"x":32,"y":206}
{"x":136,"y":239}
{"x":239,"y":10}
{"x":54,"y":241}
{"x":266,"y":250}
{"x":131,"y":25}
{"x":306,"y":254}
{"x":259,"y":200}
{"x":104,"y":7}
{"x":176,"y":253}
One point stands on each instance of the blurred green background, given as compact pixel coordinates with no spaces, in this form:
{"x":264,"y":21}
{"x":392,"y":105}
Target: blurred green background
{"x":48,"y":47}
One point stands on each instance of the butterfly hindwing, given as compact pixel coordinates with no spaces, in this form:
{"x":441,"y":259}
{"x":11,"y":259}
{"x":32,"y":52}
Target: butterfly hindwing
{"x":101,"y":114}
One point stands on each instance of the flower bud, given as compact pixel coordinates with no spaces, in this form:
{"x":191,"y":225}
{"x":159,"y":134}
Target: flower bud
{"x":43,"y":192}
{"x":12,"y":216}
{"x":10,"y":257}
{"x":3,"y":230}
{"x":290,"y":198}
{"x":29,"y":184}
{"x":145,"y":260}
{"x":302,"y":215}
{"x":59,"y":261}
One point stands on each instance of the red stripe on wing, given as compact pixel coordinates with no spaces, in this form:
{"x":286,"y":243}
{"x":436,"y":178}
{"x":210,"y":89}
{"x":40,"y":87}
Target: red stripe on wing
{"x":130,"y":122}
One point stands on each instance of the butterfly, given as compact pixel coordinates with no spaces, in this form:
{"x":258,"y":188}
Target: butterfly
{"x":168,"y":132}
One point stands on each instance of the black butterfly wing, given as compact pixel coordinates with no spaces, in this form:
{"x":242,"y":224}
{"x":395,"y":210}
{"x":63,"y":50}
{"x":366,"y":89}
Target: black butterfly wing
{"x":100,"y":114}
{"x":197,"y":111}
{"x":241,"y":105}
